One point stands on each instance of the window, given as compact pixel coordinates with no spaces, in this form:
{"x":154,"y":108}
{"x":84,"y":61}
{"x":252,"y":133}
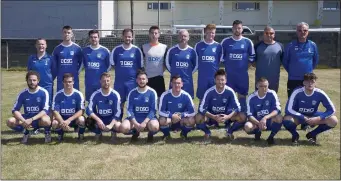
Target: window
{"x":246,"y":6}
{"x":331,"y":5}
{"x":155,"y":6}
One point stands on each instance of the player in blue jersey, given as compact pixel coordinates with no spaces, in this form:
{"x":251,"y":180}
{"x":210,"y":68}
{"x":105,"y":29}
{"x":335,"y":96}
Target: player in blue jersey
{"x":182,"y":60}
{"x":238,"y":51}
{"x":263,"y":111}
{"x":126,"y":59}
{"x":176,"y":110}
{"x":104,"y":109}
{"x":209,"y":55}
{"x":42,"y":63}
{"x":219,"y":105}
{"x":302,"y":107}
{"x":96,"y":61}
{"x":68,"y":108}
{"x":67,"y":57}
{"x":141,"y":110}
{"x":35,"y":101}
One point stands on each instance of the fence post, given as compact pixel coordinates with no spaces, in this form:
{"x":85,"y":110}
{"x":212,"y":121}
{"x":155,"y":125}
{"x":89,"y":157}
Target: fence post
{"x":7,"y":55}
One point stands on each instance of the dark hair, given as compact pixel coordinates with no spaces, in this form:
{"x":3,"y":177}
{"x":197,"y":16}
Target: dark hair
{"x":31,"y":72}
{"x":310,"y":76}
{"x":174,"y":77}
{"x":105,"y":74}
{"x":93,"y":32}
{"x":127,"y":30}
{"x":153,"y":28}
{"x":67,"y":27}
{"x":262,"y":79}
{"x":237,"y":22}
{"x":220,"y":72}
{"x":141,"y":72}
{"x":68,"y":75}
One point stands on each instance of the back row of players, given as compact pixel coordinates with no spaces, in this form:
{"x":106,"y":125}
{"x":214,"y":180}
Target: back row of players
{"x":181,"y":61}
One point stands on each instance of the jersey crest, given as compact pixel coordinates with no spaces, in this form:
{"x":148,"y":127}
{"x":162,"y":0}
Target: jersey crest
{"x":72,"y":52}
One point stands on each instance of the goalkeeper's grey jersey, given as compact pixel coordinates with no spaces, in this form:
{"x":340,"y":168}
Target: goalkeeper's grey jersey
{"x":154,"y":56}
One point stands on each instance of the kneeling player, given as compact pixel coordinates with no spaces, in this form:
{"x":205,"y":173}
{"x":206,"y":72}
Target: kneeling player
{"x":104,"y":109}
{"x":68,"y":107}
{"x":35,"y":101}
{"x":141,"y":109}
{"x":219,"y":105}
{"x":302,"y":107}
{"x":263,"y":111}
{"x":176,"y":110}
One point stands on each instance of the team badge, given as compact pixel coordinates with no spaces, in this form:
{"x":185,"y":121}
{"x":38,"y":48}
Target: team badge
{"x":98,"y":55}
{"x":146,"y":99}
{"x":73,"y":101}
{"x":179,"y":105}
{"x":314,"y":102}
{"x":72,"y":52}
{"x":110,"y":102}
{"x":187,"y":56}
{"x":38,"y":99}
{"x":224,"y":100}
{"x":242,"y":46}
{"x":267,"y":103}
{"x":296,"y":47}
{"x":132,"y":55}
{"x":214,"y":49}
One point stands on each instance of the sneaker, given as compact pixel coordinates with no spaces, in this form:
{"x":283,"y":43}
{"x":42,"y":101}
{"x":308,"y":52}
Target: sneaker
{"x":166,"y":138}
{"x":35,"y":132}
{"x":150,"y":138}
{"x":60,"y":138}
{"x":229,"y":136}
{"x":311,"y":139}
{"x":25,"y":138}
{"x":48,"y":138}
{"x":295,"y":139}
{"x":270,"y":141}
{"x":98,"y":137}
{"x":207,"y":139}
{"x":257,"y":136}
{"x":80,"y":137}
{"x":135,"y":137}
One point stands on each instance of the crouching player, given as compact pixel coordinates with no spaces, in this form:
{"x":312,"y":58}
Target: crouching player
{"x":141,"y":110}
{"x":302,"y":107}
{"x":35,"y":101}
{"x":68,"y":108}
{"x":176,"y":110}
{"x":263,"y":111}
{"x":219,"y":105}
{"x":104,"y":109}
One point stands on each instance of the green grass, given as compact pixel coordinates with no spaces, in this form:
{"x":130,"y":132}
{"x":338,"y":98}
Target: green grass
{"x":241,"y":159}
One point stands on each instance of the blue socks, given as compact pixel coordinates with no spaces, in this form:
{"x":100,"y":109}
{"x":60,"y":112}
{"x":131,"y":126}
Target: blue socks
{"x":275,"y":127}
{"x":321,"y":128}
{"x":242,"y":101}
{"x":204,"y":128}
{"x":186,"y":130}
{"x":291,"y":127}
{"x":47,"y":129}
{"x":165,"y":130}
{"x":152,"y":133}
{"x":235,"y":126}
{"x":255,"y":131}
{"x":228,"y":124}
{"x":18,"y":128}
{"x":81,"y":129}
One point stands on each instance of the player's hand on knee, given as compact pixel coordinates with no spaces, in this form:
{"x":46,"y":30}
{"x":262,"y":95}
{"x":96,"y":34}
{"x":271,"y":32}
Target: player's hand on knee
{"x":313,"y":121}
{"x":101,"y":125}
{"x":27,"y":123}
{"x":262,"y":124}
{"x":142,"y":126}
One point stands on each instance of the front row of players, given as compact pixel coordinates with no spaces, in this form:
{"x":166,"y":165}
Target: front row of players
{"x":176,"y":110}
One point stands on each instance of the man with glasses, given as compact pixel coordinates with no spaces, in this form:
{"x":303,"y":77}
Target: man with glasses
{"x":269,"y":55}
{"x":301,"y":56}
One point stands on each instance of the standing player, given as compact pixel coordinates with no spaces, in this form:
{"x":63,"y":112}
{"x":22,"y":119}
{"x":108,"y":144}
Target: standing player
{"x":237,"y":53}
{"x":176,"y":110}
{"x":302,"y":108}
{"x":127,"y":59}
{"x":182,"y":60}
{"x":141,"y":109}
{"x":96,"y":61}
{"x":68,"y":108}
{"x":154,"y":54}
{"x":68,"y":58}
{"x":219,"y":105}
{"x":209,"y":55}
{"x":35,"y":101}
{"x":104,"y":109}
{"x":263,"y":111}
{"x":41,"y":62}
{"x":269,"y":56}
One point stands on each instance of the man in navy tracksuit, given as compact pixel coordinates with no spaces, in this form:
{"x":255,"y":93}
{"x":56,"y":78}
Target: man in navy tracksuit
{"x":300,"y":57}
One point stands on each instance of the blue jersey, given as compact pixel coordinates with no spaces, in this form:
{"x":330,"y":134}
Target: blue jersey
{"x":126,"y":62}
{"x":237,"y":54}
{"x":258,"y":107}
{"x":44,"y":67}
{"x":209,"y":55}
{"x":216,"y":102}
{"x":106,"y":107}
{"x":95,"y":61}
{"x":33,"y":102}
{"x":300,"y":58}
{"x":142,"y":104}
{"x":68,"y":59}
{"x":183,"y":62}
{"x":68,"y":105}
{"x":170,"y":104}
{"x":300,"y":104}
